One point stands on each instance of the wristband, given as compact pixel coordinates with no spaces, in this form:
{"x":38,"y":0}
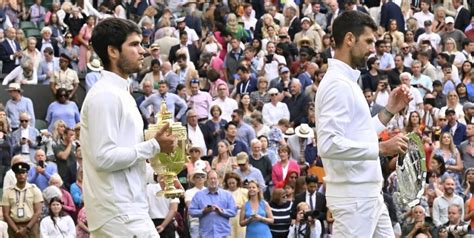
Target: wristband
{"x":387,"y":113}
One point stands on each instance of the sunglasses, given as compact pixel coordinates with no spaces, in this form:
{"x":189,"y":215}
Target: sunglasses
{"x":194,"y":151}
{"x":199,"y":176}
{"x":241,"y":165}
{"x":24,"y":121}
{"x":68,"y":37}
{"x":442,"y":119}
{"x":63,"y":95}
{"x":273,"y":94}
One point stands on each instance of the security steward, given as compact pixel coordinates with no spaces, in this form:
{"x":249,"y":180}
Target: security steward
{"x":22,"y":204}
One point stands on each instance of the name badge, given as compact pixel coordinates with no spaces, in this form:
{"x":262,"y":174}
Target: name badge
{"x":20,"y":212}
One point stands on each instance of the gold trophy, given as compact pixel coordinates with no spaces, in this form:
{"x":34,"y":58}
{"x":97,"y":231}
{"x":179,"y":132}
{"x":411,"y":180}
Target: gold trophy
{"x":168,"y":165}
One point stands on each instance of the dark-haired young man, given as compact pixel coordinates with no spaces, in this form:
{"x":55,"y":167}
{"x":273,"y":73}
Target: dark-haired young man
{"x":112,"y":138}
{"x":353,"y":171}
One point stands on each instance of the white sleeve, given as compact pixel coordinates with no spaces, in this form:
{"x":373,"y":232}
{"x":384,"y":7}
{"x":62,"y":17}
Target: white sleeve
{"x":12,"y":75}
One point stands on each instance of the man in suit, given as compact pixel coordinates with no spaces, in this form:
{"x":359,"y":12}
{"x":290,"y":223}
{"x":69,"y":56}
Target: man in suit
{"x":294,"y":22}
{"x":335,"y":11}
{"x":374,"y":107}
{"x":170,"y":77}
{"x":315,"y":200}
{"x":391,"y":10}
{"x":47,"y":41}
{"x":463,"y":17}
{"x":10,"y":51}
{"x":24,"y":139}
{"x":459,"y":134}
{"x":192,"y":52}
{"x":47,"y":67}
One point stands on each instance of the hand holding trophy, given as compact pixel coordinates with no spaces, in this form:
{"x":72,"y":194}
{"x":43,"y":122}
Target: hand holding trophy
{"x":169,"y":162}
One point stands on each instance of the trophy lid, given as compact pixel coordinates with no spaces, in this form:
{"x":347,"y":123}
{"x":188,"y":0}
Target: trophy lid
{"x":164,"y":115}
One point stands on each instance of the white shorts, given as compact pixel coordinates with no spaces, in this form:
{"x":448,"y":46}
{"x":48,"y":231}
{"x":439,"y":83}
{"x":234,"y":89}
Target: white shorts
{"x":123,"y":226}
{"x":360,"y":217}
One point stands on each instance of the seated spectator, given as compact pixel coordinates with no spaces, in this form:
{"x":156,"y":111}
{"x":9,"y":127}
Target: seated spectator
{"x":419,"y":225}
{"x":195,"y":161}
{"x":58,"y":223}
{"x":66,"y":198}
{"x":41,"y":173}
{"x":62,"y":109}
{"x":441,"y":204}
{"x":261,"y":96}
{"x":48,"y":65}
{"x":76,"y":189}
{"x":231,"y":136}
{"x":468,"y":182}
{"x":455,"y":218}
{"x":94,"y":74}
{"x":257,"y":124}
{"x":274,"y":111}
{"x":22,"y":74}
{"x":81,"y":228}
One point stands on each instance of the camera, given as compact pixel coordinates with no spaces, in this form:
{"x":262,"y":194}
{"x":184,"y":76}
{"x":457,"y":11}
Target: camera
{"x":313,"y":214}
{"x":41,"y":163}
{"x":269,"y":59}
{"x":458,"y":229}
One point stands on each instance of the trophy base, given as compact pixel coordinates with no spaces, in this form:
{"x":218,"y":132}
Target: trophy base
{"x":174,"y":193}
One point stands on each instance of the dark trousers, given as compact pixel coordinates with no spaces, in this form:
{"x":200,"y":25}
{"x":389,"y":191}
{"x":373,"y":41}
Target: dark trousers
{"x":168,"y":232}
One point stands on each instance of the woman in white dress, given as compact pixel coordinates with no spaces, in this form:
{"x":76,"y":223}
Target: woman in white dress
{"x":58,"y":223}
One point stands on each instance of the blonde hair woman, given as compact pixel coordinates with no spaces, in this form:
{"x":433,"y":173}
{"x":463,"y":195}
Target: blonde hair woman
{"x":438,"y":22}
{"x":268,"y":22}
{"x":450,"y":48}
{"x":406,"y":9}
{"x":256,"y":214}
{"x":58,"y":132}
{"x":148,"y":16}
{"x":453,"y":102}
{"x":223,"y":162}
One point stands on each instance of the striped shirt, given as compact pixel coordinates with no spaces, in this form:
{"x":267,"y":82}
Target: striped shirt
{"x":282,"y":219}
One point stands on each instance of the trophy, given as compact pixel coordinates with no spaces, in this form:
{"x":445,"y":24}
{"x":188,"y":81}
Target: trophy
{"x":412,"y":172}
{"x":168,"y":165}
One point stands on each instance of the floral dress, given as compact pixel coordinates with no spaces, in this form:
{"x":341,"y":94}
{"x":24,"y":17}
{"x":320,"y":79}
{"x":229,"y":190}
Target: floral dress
{"x":455,"y":175}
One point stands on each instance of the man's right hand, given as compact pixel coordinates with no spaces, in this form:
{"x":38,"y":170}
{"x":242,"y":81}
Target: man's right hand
{"x":395,"y":145}
{"x":207,"y":209}
{"x":168,"y":142}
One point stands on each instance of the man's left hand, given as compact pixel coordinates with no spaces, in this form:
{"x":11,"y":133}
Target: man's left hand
{"x":399,"y":99}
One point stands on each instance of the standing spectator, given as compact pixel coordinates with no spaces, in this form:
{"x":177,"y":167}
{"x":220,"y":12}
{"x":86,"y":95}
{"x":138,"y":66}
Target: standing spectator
{"x":76,"y":189}
{"x":195,"y":161}
{"x":94,"y":74}
{"x":256,"y":119}
{"x":82,"y":229}
{"x":84,"y":36}
{"x":24,"y":139}
{"x":281,"y":210}
{"x":310,"y":227}
{"x":198,"y":178}
{"x":245,"y":132}
{"x":261,"y":96}
{"x":231,"y":136}
{"x":424,"y":14}
{"x":214,"y":128}
{"x":195,"y":131}
{"x":247,"y":172}
{"x":213,"y":206}
{"x":199,"y":101}
{"x":66,"y":159}
{"x":270,"y":63}
{"x":455,"y":129}
{"x":47,"y":42}
{"x":233,"y":183}
{"x":69,"y":48}
{"x":223,"y":162}
{"x":41,"y":173}
{"x":10,"y":51}
{"x":451,"y":32}
{"x":62,"y":109}
{"x":256,"y":214}
{"x":18,"y":104}
{"x":58,"y":223}
{"x":65,"y":77}
{"x":421,"y":81}
{"x":463,"y":17}
{"x":227,"y":104}
{"x":296,"y":102}
{"x":285,"y":164}
{"x":246,"y":83}
{"x":37,"y":12}
{"x":294,"y":23}
{"x":315,"y":199}
{"x":232,"y":60}
{"x":173,"y":103}
{"x":22,"y":217}
{"x":442,"y":203}
{"x":162,"y":210}
{"x":47,"y":67}
{"x":420,"y":223}
{"x":260,"y":161}
{"x":299,"y":141}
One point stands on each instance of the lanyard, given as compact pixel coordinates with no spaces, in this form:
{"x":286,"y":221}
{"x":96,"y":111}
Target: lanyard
{"x":242,"y":89}
{"x":18,"y":194}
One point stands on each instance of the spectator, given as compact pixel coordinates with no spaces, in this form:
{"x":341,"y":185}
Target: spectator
{"x":24,"y":139}
{"x":69,"y":48}
{"x":310,"y":227}
{"x":6,"y":147}
{"x":10,"y":52}
{"x":247,"y":172}
{"x":216,"y":212}
{"x":259,"y":97}
{"x":315,"y":200}
{"x":256,"y":214}
{"x":420,"y":223}
{"x":41,"y":173}
{"x":245,"y":132}
{"x":195,"y":131}
{"x":82,"y":229}
{"x":260,"y":161}
{"x":214,"y":128}
{"x":233,"y":183}
{"x":299,"y":141}
{"x":47,"y":67}
{"x":281,"y":210}
{"x":223,"y":162}
{"x":31,"y":52}
{"x":93,"y":76}
{"x":83,"y":38}
{"x":199,"y":101}
{"x":62,"y":109}
{"x":442,"y":203}
{"x":296,"y":102}
{"x":58,"y":223}
{"x":76,"y":189}
{"x":232,"y":60}
{"x":227,"y":105}
{"x":198,"y":178}
{"x":172,"y":102}
{"x":65,"y":77}
{"x":455,"y":127}
{"x":232,"y":137}
{"x":257,"y":124}
{"x":195,"y":161}
{"x":274,"y":110}
{"x":371,"y":78}
{"x":270,"y":63}
{"x":66,"y":198}
{"x":66,"y":159}
{"x":22,"y":221}
{"x":278,"y":173}
{"x":455,"y":218}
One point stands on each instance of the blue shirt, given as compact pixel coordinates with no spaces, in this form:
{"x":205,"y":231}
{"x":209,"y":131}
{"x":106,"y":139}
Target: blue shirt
{"x":215,"y":225}
{"x":42,"y":180}
{"x":245,"y":133}
{"x":68,"y":112}
{"x":91,"y":79}
{"x":15,"y":108}
{"x":470,"y":89}
{"x":254,"y":174}
{"x":173,"y":101}
{"x":423,"y":80}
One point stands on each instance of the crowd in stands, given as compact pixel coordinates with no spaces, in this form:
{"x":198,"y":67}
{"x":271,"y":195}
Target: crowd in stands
{"x":242,"y":78}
